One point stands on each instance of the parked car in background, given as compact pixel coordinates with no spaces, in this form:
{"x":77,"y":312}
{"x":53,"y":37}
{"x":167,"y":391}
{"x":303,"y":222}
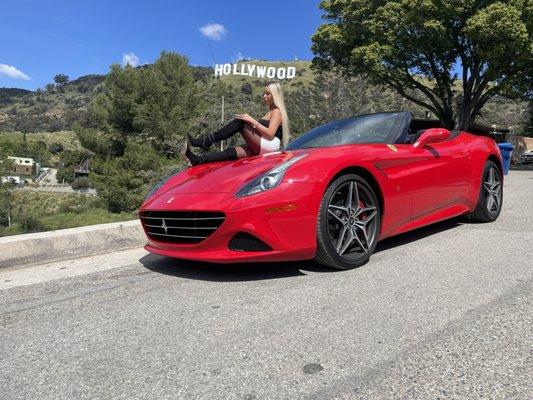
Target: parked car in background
{"x":14,"y":180}
{"x":526,"y":157}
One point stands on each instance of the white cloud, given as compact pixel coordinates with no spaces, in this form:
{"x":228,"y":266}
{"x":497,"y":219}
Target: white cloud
{"x":130,"y":59}
{"x":11,"y":72}
{"x":214,"y":31}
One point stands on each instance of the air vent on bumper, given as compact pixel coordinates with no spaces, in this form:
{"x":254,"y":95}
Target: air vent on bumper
{"x":243,"y":241}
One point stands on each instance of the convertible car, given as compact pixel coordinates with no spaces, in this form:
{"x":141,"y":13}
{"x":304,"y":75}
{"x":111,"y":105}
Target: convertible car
{"x":331,"y":195}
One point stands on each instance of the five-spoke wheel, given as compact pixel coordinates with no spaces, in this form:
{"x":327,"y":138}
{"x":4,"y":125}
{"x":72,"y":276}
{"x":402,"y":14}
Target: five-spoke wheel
{"x":489,"y":204}
{"x":348,"y":223}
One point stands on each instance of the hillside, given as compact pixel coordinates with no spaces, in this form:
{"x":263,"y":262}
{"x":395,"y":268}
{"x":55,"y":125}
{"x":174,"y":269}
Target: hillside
{"x":311,"y":99}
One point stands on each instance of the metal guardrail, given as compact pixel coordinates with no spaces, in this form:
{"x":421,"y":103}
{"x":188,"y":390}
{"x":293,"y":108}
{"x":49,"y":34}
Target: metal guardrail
{"x":43,"y":175}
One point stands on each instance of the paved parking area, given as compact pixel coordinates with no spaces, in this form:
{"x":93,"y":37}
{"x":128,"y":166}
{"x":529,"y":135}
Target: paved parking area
{"x":442,"y":312}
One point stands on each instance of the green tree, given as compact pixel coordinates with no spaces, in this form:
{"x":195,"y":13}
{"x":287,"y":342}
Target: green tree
{"x":123,"y":181}
{"x":422,"y":48}
{"x":37,"y":150}
{"x":529,"y":126}
{"x":141,"y":115}
{"x":61,"y":80}
{"x":169,"y":102}
{"x":157,"y":104}
{"x":70,"y":160}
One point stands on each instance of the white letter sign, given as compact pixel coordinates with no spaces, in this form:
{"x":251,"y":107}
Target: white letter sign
{"x":257,"y":71}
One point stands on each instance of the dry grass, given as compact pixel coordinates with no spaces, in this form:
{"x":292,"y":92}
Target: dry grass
{"x":67,"y":138}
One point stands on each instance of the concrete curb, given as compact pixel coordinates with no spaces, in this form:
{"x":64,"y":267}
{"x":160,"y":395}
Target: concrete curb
{"x":45,"y":247}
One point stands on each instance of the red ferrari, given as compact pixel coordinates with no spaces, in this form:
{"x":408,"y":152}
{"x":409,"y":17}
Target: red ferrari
{"x":331,"y":195}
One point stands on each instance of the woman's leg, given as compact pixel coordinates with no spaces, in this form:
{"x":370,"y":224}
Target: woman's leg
{"x":244,"y":151}
{"x":229,"y":154}
{"x":252,"y":138}
{"x":227,"y":131}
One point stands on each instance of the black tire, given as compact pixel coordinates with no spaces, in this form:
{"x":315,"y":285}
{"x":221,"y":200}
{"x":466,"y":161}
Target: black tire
{"x":490,"y":199}
{"x":347,"y":233}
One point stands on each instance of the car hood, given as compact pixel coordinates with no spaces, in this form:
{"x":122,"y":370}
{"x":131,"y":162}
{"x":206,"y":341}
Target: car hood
{"x":222,"y":177}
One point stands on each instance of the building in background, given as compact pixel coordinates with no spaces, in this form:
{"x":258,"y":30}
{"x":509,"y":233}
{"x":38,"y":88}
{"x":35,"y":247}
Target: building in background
{"x":25,"y":168}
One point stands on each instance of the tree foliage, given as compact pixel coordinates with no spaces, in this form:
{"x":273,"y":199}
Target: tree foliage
{"x":123,"y":181}
{"x":422,"y":48}
{"x":38,"y":150}
{"x":156,"y":104}
{"x":70,"y":160}
{"x":141,"y":117}
{"x":61,"y":79}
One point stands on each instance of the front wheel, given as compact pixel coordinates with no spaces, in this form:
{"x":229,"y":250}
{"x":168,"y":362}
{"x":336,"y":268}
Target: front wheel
{"x":490,"y":200}
{"x":348,"y":223}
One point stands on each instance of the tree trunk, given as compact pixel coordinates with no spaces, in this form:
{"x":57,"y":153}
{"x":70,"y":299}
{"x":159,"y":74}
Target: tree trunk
{"x":446,"y":118}
{"x":464,"y":120}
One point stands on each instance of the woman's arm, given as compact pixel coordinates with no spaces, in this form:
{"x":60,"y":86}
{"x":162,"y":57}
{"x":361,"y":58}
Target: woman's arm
{"x":268,"y":132}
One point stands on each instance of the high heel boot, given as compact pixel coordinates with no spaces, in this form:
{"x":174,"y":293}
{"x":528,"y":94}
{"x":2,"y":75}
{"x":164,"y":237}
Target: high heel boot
{"x":227,"y":131}
{"x":229,"y":154}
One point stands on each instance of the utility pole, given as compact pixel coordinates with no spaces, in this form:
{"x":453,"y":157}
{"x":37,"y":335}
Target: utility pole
{"x":222,"y":122}
{"x":222,"y":113}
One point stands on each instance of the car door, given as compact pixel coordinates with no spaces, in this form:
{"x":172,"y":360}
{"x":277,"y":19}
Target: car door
{"x":440,"y":175}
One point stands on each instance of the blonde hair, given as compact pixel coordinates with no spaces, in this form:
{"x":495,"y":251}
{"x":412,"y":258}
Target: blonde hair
{"x":279,"y":101}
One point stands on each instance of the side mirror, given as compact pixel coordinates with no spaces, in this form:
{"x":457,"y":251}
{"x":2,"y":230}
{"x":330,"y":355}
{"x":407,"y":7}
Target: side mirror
{"x":432,"y":135}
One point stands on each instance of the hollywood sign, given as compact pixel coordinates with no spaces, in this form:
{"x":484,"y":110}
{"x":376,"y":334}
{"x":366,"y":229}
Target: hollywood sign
{"x":258,"y":71}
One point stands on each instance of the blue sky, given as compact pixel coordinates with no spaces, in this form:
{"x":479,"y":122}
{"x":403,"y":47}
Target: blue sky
{"x":39,"y":39}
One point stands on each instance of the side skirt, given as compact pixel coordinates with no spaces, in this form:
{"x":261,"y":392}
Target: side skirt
{"x":442,"y":214}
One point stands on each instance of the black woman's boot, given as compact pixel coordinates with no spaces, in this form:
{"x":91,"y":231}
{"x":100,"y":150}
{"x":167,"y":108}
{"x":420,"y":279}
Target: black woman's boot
{"x":229,"y":154}
{"x":227,"y":131}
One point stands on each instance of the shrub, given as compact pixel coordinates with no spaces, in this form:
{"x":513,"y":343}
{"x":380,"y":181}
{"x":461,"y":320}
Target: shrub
{"x":81,"y":183}
{"x":55,"y":148}
{"x":65,"y":174}
{"x":30,"y":223}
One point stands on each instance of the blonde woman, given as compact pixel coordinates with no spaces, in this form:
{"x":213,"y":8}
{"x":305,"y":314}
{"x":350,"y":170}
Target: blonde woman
{"x":263,"y":136}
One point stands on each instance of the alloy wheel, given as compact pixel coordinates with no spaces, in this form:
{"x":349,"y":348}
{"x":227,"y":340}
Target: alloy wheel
{"x":492,"y":186}
{"x":352,"y":220}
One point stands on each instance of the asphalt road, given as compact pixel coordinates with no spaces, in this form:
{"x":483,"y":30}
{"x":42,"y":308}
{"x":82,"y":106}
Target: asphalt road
{"x":444,"y":312}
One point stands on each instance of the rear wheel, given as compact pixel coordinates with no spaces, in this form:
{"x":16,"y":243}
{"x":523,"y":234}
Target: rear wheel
{"x":489,"y":204}
{"x":348,"y":223}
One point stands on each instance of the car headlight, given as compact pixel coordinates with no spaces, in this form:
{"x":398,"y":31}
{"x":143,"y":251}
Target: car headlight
{"x":269,"y":179}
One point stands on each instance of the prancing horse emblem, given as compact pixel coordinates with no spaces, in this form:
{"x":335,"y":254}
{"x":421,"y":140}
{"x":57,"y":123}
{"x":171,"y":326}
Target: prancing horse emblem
{"x":164,"y":226}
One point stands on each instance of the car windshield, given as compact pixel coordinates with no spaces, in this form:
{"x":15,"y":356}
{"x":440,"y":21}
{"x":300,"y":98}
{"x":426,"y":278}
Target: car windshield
{"x":372,"y":128}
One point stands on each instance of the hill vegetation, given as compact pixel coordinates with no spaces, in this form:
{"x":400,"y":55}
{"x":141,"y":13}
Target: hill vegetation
{"x":309,"y":96}
{"x":35,"y":211}
{"x":132,"y":122}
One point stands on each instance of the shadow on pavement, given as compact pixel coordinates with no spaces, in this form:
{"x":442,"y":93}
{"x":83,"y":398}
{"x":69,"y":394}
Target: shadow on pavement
{"x":521,"y":167}
{"x":229,"y":272}
{"x":419,"y":233}
{"x":261,"y":271}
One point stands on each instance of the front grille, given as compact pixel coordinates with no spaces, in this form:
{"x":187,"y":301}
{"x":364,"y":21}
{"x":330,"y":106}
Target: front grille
{"x":181,"y":227}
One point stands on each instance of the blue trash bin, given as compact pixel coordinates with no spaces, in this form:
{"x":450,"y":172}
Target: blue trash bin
{"x":506,"y":149}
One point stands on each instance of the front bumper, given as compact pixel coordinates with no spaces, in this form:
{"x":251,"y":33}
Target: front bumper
{"x":284,"y":218}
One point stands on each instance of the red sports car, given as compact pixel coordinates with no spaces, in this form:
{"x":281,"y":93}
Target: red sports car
{"x":331,"y":195}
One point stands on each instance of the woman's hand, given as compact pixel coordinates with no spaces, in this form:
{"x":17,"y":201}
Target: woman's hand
{"x":246,"y":118}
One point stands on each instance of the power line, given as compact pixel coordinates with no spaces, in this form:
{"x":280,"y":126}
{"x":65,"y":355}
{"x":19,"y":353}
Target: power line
{"x":210,"y":50}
